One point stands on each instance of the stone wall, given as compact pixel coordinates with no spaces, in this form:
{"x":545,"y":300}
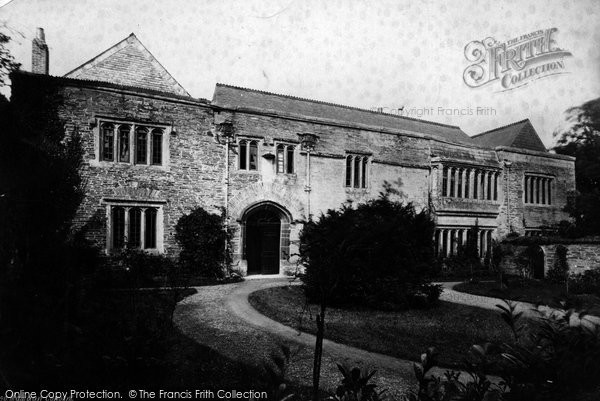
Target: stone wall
{"x":580,"y":257}
{"x":397,"y":160}
{"x":192,"y":177}
{"x":516,"y":216}
{"x":195,"y":173}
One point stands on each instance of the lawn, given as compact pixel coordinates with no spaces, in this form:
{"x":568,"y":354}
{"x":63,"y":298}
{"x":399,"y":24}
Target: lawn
{"x":538,"y":292}
{"x":451,"y":328}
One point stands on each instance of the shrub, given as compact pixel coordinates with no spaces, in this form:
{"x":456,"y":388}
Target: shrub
{"x":559,"y":271}
{"x":552,"y":358}
{"x":356,"y":385}
{"x":142,"y":269}
{"x":568,"y":229}
{"x":202,"y":239}
{"x":586,"y":283}
{"x":379,"y":253}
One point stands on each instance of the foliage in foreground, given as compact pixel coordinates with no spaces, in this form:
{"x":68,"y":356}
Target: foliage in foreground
{"x":552,"y":358}
{"x":356,"y":385}
{"x":378,"y":253}
{"x":587,"y":282}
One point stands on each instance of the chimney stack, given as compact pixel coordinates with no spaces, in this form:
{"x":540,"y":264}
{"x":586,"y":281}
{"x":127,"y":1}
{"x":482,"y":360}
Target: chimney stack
{"x":39,"y":53}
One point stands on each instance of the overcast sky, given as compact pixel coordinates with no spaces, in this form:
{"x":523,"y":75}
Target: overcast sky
{"x":359,"y":53}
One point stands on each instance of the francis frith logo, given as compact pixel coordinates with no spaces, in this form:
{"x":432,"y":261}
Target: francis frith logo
{"x":516,"y":62}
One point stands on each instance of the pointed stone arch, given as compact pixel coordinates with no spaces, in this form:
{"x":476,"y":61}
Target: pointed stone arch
{"x":265,"y":237}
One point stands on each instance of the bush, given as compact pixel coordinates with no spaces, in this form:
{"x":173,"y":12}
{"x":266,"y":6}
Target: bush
{"x":202,"y":239}
{"x":585,"y":283}
{"x":379,"y":253}
{"x":137,"y":268}
{"x":551,"y":359}
{"x":559,"y":271}
{"x":568,"y":229}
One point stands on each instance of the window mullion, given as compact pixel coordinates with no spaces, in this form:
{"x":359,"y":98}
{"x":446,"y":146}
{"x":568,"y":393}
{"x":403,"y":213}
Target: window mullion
{"x":126,"y":229}
{"x":143,"y":228}
{"x":132,"y":147}
{"x":360,"y":172}
{"x":352,"y":172}
{"x":115,"y":138}
{"x":248,"y":146}
{"x":148,"y":147}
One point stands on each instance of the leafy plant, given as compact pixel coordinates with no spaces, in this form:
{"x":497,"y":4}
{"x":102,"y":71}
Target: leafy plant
{"x":555,"y":357}
{"x":204,"y":243}
{"x":586,"y":283}
{"x":559,"y":272}
{"x":377,"y":253}
{"x":141,"y":268}
{"x":356,"y":385}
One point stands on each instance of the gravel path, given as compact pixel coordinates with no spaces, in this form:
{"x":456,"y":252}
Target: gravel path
{"x":221,"y":318}
{"x":528,"y":309}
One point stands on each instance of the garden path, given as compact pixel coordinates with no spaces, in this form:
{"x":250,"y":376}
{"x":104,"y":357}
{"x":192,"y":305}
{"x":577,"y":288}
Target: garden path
{"x":528,"y":309}
{"x":222,"y":318}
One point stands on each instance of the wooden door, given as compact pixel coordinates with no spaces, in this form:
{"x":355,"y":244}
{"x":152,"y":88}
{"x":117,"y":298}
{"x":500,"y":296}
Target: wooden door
{"x":263,"y":236}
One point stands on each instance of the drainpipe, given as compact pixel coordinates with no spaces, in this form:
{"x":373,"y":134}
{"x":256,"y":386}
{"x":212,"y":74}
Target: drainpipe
{"x":227,"y":180}
{"x":307,"y":189}
{"x":308,"y":142}
{"x":225,"y":130}
{"x":507,"y":165}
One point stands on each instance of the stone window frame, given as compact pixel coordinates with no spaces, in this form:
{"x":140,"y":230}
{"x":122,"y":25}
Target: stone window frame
{"x":470,"y":182}
{"x":152,"y":130}
{"x":244,"y":146}
{"x":110,"y":204}
{"x":541,"y":190}
{"x":287,"y":147}
{"x":351,"y":179}
{"x":448,"y":238}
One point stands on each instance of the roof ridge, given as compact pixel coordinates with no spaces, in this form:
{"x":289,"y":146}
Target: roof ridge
{"x":501,"y":127}
{"x":337,"y":105}
{"x":159,"y":63}
{"x":108,"y":84}
{"x":118,"y":47}
{"x":99,"y":55}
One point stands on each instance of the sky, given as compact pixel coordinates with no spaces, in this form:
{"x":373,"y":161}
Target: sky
{"x":368,"y":54}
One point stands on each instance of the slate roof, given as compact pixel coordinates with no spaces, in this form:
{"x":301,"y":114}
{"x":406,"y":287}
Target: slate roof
{"x":129,"y":63}
{"x":228,"y":96}
{"x":520,"y":134}
{"x":460,"y":154}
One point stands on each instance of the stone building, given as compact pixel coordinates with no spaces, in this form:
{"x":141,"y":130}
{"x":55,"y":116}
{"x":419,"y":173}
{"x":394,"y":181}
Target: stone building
{"x":153,"y":153}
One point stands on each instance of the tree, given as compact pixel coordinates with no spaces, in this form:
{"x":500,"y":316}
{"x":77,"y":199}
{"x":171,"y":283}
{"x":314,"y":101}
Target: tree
{"x":43,"y":256}
{"x":7,"y":61}
{"x":378,"y":253}
{"x":580,"y":137}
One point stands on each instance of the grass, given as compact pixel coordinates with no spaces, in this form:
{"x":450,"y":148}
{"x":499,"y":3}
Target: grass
{"x":537,"y":292}
{"x":451,"y":328}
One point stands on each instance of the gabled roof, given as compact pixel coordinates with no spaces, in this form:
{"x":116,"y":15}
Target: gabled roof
{"x":234,"y":97}
{"x":129,"y":63}
{"x":520,"y":134}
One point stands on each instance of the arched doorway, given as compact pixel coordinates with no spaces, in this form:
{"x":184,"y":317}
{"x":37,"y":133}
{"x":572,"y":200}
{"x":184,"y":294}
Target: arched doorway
{"x":263,"y":238}
{"x":536,"y":261}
